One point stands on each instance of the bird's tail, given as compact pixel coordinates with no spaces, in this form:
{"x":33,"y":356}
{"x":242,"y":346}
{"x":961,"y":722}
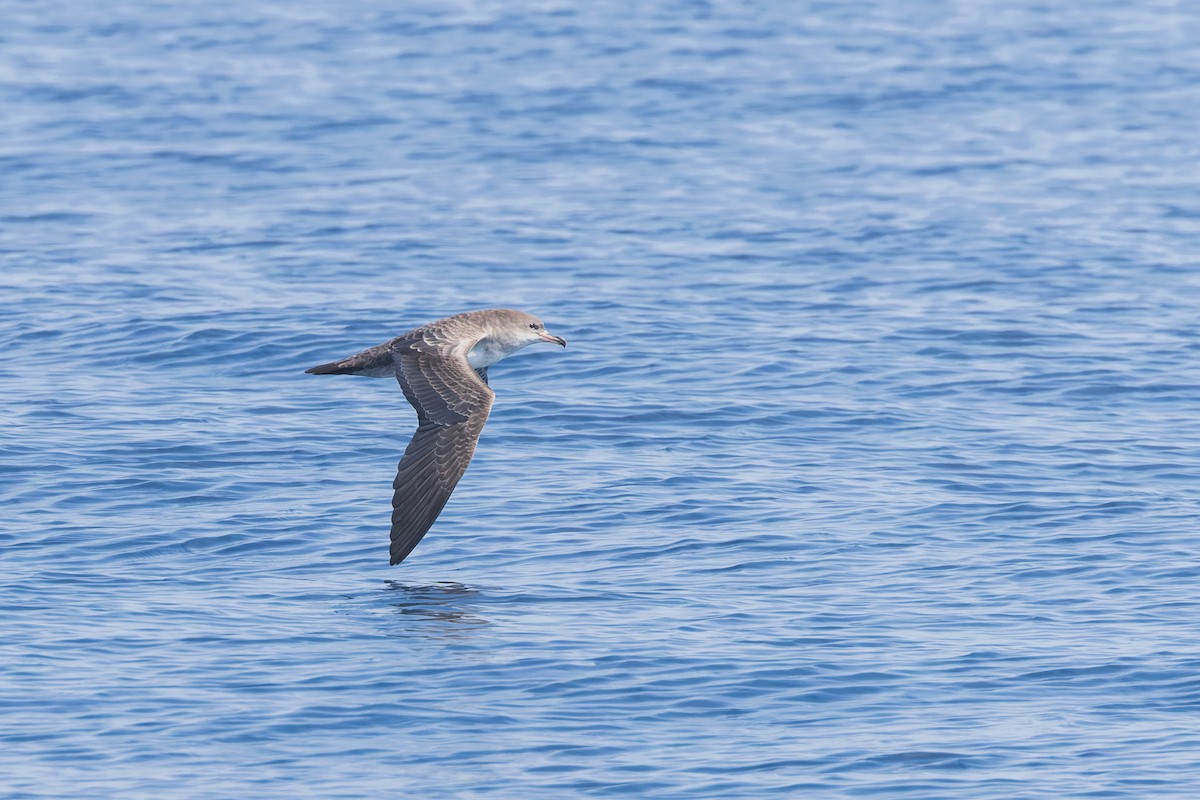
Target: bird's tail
{"x":332,"y":368}
{"x":374,"y":363}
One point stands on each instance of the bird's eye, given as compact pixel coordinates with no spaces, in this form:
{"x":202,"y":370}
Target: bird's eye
{"x":534,"y":325}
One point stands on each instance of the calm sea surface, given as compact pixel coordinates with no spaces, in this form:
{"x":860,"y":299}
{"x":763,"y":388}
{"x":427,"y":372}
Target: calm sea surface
{"x":872,"y":468}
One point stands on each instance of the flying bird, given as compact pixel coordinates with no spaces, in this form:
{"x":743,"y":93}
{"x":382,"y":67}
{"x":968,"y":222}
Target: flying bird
{"x":442,"y":368}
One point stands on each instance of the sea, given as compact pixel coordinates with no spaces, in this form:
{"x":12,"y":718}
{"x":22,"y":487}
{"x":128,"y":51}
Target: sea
{"x":871,"y":470}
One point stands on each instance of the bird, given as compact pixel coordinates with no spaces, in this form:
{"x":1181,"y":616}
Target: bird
{"x":442,"y":368}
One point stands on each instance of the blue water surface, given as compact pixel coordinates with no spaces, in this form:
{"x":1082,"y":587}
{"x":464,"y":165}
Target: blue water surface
{"x":871,"y":469}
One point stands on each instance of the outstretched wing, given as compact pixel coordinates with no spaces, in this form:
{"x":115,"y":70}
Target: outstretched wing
{"x":452,"y":406}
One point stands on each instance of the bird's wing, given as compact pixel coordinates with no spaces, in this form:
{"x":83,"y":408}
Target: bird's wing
{"x":452,"y":405}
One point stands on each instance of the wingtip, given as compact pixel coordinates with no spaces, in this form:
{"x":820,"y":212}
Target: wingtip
{"x":396,"y":555}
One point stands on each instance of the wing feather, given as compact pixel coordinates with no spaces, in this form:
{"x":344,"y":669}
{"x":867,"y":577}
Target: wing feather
{"x":452,"y":402}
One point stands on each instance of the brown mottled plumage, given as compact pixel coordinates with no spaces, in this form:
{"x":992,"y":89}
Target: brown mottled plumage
{"x":442,"y":368}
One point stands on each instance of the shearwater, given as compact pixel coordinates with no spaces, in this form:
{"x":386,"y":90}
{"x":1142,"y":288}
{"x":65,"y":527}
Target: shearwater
{"x":442,"y":368}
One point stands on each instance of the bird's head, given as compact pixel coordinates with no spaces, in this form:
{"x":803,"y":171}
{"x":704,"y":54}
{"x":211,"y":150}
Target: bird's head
{"x":507,"y":331}
{"x":525,"y":329}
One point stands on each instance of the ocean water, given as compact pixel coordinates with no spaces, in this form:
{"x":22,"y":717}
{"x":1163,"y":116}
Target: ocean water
{"x":871,"y":469}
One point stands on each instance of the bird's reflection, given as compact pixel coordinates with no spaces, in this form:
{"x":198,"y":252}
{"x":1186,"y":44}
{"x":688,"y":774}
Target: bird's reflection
{"x":441,"y":601}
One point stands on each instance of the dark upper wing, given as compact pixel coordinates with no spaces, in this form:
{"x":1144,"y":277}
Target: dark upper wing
{"x":452,"y":405}
{"x":434,"y":461}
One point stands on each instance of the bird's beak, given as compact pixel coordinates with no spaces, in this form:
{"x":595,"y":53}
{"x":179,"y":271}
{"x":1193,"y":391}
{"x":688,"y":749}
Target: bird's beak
{"x":545,"y":337}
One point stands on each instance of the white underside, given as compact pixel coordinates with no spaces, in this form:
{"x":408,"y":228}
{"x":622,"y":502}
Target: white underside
{"x":487,"y":352}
